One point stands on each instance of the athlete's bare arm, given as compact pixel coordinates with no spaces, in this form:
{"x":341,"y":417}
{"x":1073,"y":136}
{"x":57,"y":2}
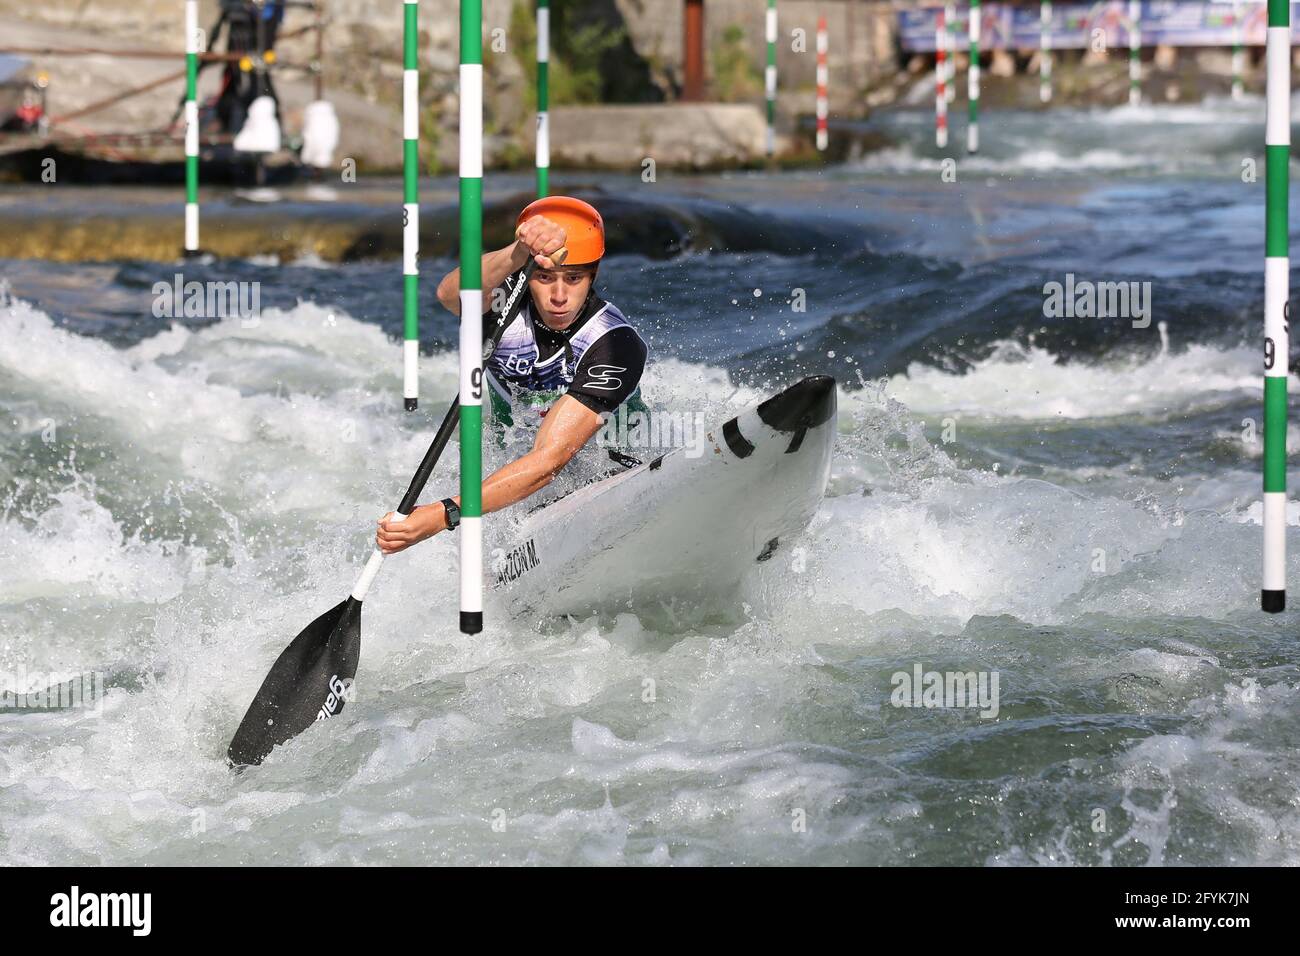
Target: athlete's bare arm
{"x":566,"y":428}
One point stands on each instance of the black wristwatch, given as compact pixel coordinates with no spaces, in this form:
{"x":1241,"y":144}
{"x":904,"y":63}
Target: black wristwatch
{"x":453,"y":513}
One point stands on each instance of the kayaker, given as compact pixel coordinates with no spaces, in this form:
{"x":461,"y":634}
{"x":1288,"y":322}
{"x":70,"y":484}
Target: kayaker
{"x":569,"y":359}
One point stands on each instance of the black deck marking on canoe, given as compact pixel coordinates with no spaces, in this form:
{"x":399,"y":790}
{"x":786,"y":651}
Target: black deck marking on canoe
{"x":739,"y":445}
{"x":805,"y":404}
{"x":796,"y":441}
{"x":627,"y":461}
{"x":655,"y":465}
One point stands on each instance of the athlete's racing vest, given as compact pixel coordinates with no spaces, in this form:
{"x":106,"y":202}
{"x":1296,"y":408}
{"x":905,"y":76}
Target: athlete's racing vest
{"x":523,"y":387}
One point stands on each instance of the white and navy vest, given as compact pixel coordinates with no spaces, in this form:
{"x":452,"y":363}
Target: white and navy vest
{"x":518,"y":379}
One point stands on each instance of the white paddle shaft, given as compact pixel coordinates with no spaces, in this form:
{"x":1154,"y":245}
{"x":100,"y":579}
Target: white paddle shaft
{"x":371,"y":570}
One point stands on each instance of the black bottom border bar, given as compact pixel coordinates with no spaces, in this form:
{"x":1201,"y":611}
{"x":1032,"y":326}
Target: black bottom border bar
{"x":337,"y":904}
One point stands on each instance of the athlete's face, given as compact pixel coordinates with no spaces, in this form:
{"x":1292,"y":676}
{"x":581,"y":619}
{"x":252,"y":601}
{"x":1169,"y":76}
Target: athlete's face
{"x":559,"y":294}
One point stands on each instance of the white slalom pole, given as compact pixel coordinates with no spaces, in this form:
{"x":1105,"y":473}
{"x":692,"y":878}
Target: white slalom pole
{"x":823,"y":78}
{"x":1277,"y":295}
{"x":1135,"y":52}
{"x":940,"y":78}
{"x":973,"y":77}
{"x":1045,"y":52}
{"x":191,"y":127}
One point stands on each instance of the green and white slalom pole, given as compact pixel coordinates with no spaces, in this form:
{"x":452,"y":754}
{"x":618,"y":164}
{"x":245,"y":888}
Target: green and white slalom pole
{"x":471,"y":316}
{"x":1134,"y":52}
{"x":411,"y":205}
{"x":1238,"y":54}
{"x":1045,"y":52}
{"x":191,"y":128}
{"x":973,"y":76}
{"x":543,"y":98}
{"x":1277,"y":294}
{"x":950,"y":81}
{"x":769,"y":77}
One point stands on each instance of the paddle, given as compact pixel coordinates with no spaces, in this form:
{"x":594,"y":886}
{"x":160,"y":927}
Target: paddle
{"x":312,"y":679}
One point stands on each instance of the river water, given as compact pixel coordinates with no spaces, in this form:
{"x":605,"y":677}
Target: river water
{"x":1068,"y":506}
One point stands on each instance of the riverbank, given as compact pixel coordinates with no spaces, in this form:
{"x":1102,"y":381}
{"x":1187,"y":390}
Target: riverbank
{"x":362,"y":78}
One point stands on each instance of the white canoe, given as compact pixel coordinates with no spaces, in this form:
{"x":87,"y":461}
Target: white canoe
{"x":683,"y":528}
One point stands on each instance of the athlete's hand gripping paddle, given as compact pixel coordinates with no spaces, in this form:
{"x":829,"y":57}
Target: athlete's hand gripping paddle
{"x":312,"y":678}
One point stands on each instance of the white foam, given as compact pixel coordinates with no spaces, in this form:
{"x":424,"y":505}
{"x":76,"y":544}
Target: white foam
{"x":1016,"y":382}
{"x":594,"y":741}
{"x":77,"y":549}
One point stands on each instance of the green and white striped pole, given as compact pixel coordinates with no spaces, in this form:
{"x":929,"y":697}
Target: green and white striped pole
{"x":769,"y":77}
{"x":1238,"y":54}
{"x":191,"y":128}
{"x":471,"y":316}
{"x":1134,"y":52}
{"x":950,"y":81}
{"x":973,"y":75}
{"x":1045,"y":52}
{"x":1277,"y":294}
{"x":543,"y":98}
{"x":411,"y":205}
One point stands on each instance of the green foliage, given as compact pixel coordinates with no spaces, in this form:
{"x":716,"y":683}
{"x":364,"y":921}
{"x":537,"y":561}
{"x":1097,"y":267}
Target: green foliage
{"x":575,"y":58}
{"x":430,"y":130}
{"x":512,"y":156}
{"x":735,"y":77}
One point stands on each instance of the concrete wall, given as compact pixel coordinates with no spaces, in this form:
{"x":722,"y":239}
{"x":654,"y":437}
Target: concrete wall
{"x":861,"y":46}
{"x":364,"y":61}
{"x":366,"y":34}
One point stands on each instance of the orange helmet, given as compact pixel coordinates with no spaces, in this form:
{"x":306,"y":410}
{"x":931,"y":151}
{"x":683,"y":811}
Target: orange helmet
{"x":585,"y":230}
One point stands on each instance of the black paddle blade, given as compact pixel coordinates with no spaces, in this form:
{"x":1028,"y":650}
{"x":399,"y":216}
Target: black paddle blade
{"x":308,"y":682}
